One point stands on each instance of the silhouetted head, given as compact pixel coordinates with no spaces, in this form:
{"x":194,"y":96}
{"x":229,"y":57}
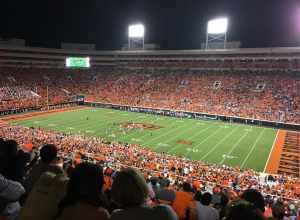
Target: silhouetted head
{"x":85,"y":185}
{"x":187,"y":187}
{"x":48,"y":153}
{"x":278,"y":210}
{"x":243,"y":210}
{"x":206,"y":199}
{"x":129,"y":189}
{"x":254,"y":197}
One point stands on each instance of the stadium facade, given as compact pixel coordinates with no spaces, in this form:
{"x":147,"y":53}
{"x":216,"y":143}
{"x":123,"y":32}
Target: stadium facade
{"x":266,"y":59}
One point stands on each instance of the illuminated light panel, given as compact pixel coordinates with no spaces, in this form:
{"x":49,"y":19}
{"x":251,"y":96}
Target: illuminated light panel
{"x":217,"y":26}
{"x":136,"y":31}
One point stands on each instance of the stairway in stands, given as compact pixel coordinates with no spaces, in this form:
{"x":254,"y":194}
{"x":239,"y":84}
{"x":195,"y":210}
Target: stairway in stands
{"x":290,"y":157}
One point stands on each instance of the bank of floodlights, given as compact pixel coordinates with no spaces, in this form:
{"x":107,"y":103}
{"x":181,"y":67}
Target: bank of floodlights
{"x":217,"y":32}
{"x":136,"y":34}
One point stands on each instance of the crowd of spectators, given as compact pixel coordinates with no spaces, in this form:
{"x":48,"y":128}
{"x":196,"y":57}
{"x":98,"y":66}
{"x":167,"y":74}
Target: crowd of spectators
{"x":31,"y":87}
{"x":105,"y":184}
{"x":263,"y":95}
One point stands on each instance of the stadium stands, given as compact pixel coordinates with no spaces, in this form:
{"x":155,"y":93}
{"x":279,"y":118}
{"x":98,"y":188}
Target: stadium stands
{"x":265,"y":96}
{"x":254,"y":84}
{"x":191,"y":175}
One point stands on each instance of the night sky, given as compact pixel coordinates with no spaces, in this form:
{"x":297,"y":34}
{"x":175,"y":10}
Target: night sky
{"x":173,"y":24}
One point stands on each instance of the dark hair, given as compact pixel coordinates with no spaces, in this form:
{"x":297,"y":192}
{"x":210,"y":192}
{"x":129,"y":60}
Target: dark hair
{"x":86,"y":185}
{"x":224,"y":200}
{"x":254,"y":197}
{"x":10,"y":148}
{"x":278,"y":210}
{"x":241,"y":209}
{"x":187,"y":187}
{"x":164,"y":183}
{"x":129,"y":189}
{"x":153,"y":181}
{"x":206,"y":198}
{"x":8,"y":159}
{"x":198,"y":196}
{"x":48,"y":153}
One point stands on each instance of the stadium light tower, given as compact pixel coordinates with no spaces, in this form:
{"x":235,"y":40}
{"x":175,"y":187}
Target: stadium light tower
{"x":217,"y":32}
{"x":136,"y":34}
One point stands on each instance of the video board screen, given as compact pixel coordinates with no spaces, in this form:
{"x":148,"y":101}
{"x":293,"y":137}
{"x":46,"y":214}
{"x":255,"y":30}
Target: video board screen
{"x":78,"y":62}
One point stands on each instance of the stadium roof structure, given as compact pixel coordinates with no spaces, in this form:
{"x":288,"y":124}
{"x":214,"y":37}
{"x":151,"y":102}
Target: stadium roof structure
{"x":50,"y":51}
{"x":56,"y":58}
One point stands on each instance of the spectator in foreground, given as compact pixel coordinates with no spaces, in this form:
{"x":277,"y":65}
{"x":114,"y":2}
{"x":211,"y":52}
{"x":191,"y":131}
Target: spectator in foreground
{"x":12,"y":160}
{"x":203,"y":209}
{"x":10,"y":193}
{"x":243,"y":210}
{"x":183,"y":200}
{"x":255,"y":198}
{"x":278,"y":211}
{"x":47,"y":163}
{"x":50,"y":189}
{"x":165,"y":195}
{"x":84,"y":198}
{"x":130,"y":192}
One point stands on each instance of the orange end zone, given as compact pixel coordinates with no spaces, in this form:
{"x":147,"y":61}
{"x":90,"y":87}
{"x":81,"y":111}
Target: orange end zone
{"x":274,"y":158}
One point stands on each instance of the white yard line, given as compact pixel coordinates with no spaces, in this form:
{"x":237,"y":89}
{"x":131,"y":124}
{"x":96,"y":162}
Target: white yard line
{"x":205,"y":139}
{"x":196,"y":134}
{"x":163,"y":134}
{"x":132,"y":135}
{"x":252,"y":148}
{"x":234,"y":147}
{"x":269,"y":157}
{"x":217,"y":144}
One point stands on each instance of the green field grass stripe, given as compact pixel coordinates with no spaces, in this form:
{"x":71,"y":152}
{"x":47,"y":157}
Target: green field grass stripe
{"x":220,"y":142}
{"x":234,"y":147}
{"x":205,"y":139}
{"x":164,"y":134}
{"x":252,"y":148}
{"x":147,"y":133}
{"x":179,"y":135}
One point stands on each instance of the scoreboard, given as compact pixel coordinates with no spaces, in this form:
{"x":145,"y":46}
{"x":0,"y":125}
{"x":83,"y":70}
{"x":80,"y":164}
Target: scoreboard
{"x":78,"y":62}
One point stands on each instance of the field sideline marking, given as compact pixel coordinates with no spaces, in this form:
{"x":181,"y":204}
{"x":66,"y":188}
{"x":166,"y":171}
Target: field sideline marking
{"x":234,"y":147}
{"x":252,"y":149}
{"x":217,"y":144}
{"x":269,"y":157}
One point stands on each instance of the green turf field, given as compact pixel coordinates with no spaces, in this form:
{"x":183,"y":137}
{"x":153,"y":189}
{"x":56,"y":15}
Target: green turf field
{"x":210,"y":141}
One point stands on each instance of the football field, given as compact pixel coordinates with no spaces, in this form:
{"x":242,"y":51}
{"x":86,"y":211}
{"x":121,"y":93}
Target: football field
{"x":207,"y":140}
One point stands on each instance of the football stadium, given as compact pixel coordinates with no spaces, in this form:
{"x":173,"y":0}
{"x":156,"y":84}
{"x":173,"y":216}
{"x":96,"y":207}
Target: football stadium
{"x":145,"y":132}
